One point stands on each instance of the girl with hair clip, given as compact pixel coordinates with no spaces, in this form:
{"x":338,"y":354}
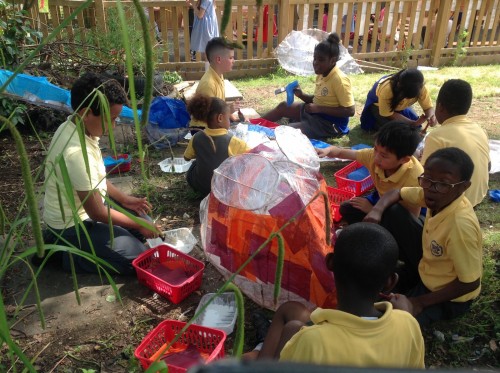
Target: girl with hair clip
{"x":326,"y":113}
{"x":391,"y":98}
{"x":211,"y":146}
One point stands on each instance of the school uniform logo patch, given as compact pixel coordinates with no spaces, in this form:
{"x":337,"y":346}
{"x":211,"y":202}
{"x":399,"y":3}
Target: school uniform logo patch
{"x":324,"y":91}
{"x":436,"y":249}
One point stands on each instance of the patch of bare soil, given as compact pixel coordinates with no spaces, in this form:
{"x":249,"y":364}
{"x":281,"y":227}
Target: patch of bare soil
{"x":101,"y":334}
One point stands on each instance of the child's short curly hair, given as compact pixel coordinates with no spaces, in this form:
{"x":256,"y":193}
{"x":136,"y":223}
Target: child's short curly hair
{"x":85,"y":87}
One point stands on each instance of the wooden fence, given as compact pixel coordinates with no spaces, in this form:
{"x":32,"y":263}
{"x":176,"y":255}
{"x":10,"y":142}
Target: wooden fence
{"x":395,"y":33}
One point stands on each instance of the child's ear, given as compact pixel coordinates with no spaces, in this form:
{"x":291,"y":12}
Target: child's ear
{"x":405,"y":159}
{"x":220,"y":117}
{"x":391,"y":282}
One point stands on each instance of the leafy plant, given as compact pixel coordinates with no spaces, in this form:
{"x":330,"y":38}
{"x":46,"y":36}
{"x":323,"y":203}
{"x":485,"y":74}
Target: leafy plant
{"x":15,"y":34}
{"x":12,"y":110}
{"x":460,"y":51}
{"x":111,"y":51}
{"x":172,"y":77}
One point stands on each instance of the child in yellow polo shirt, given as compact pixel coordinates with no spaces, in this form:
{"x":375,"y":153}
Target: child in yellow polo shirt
{"x":211,"y":146}
{"x":452,"y":104}
{"x":391,"y":165}
{"x":451,"y":266}
{"x":220,"y":55}
{"x":391,"y":98}
{"x":360,"y":332}
{"x":326,"y":113}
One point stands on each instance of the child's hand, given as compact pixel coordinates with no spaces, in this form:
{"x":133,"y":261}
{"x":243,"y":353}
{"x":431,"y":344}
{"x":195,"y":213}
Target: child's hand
{"x":421,"y":120}
{"x":373,"y":216}
{"x":331,"y":151}
{"x":297,"y":92}
{"x":432,"y":121}
{"x":153,"y":231}
{"x":234,"y":106}
{"x":139,"y":205}
{"x":361,"y":204}
{"x":311,"y":108}
{"x":401,"y":302}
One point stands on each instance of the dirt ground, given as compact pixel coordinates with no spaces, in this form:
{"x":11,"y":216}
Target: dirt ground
{"x":101,"y":333}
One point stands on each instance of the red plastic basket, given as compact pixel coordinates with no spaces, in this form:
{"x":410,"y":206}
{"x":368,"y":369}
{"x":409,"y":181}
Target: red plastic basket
{"x":208,"y":342}
{"x":336,"y":197}
{"x":264,"y":123}
{"x":165,"y":259}
{"x":119,"y":166}
{"x":354,"y":186}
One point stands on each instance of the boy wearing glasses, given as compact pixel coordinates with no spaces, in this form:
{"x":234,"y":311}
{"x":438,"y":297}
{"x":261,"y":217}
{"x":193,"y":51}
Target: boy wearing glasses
{"x":452,"y":105}
{"x":451,"y":266}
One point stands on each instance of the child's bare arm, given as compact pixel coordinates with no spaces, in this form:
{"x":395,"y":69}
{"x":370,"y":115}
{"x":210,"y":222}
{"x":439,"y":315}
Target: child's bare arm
{"x":451,"y":291}
{"x":387,"y":200}
{"x":336,"y":152}
{"x":306,"y":98}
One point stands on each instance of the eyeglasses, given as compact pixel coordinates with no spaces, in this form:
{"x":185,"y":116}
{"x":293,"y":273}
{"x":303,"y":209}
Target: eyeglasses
{"x":439,"y":186}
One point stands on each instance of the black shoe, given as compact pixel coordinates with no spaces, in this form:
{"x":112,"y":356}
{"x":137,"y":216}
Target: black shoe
{"x":261,"y":324}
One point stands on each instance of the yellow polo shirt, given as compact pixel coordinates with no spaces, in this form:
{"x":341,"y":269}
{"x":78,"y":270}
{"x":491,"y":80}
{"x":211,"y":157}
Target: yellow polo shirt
{"x":212,"y":85}
{"x":333,"y":90}
{"x":405,"y":176}
{"x":343,"y":339}
{"x":66,"y":143}
{"x":460,"y":132}
{"x":236,"y":145}
{"x":384,"y":94}
{"x":451,"y":243}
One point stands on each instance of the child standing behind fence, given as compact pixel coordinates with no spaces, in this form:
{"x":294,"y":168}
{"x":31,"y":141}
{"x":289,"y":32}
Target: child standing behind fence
{"x":211,"y":146}
{"x":205,"y":26}
{"x":326,"y":113}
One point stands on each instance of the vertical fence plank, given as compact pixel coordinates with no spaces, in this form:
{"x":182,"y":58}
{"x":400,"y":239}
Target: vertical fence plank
{"x":187,"y":35}
{"x":440,"y":31}
{"x":492,"y":41}
{"x":250,"y":31}
{"x":239,"y":30}
{"x":479,"y":22}
{"x":100,"y":15}
{"x":175,"y":33}
{"x":163,"y":24}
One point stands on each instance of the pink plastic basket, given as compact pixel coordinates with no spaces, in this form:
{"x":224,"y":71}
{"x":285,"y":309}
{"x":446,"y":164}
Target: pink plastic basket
{"x":170,"y":273}
{"x":336,"y":197}
{"x":206,"y":345}
{"x":354,"y":186}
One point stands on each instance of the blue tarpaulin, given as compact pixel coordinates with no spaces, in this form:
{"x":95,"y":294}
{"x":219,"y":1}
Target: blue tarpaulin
{"x":39,"y":91}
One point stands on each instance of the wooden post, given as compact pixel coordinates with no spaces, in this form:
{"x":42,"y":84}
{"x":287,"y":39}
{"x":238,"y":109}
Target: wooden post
{"x":440,"y":31}
{"x":100,"y":15}
{"x":284,"y":10}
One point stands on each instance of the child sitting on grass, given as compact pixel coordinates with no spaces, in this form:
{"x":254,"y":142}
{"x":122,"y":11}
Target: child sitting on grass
{"x":451,"y":266}
{"x":391,"y":165}
{"x":326,"y":113}
{"x":359,"y":332}
{"x":211,"y":146}
{"x":452,"y":104}
{"x":391,"y":98}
